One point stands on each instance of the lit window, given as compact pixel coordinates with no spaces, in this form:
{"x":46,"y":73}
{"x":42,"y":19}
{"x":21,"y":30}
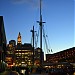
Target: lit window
{"x":29,"y":60}
{"x":32,"y":53}
{"x":19,"y":53}
{"x":22,"y":53}
{"x":29,"y":63}
{"x":26,"y":53}
{"x":19,"y":50}
{"x":25,"y":57}
{"x":16,"y":53}
{"x":38,"y":50}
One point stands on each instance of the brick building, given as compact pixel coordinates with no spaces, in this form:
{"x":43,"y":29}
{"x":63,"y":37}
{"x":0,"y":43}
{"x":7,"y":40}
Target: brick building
{"x":67,"y":55}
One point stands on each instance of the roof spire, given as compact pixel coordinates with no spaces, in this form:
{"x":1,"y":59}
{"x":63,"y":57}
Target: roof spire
{"x":19,"y":38}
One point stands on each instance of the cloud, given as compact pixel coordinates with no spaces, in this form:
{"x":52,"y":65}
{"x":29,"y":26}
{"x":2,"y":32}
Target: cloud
{"x":25,"y":1}
{"x":18,"y":1}
{"x":31,"y":3}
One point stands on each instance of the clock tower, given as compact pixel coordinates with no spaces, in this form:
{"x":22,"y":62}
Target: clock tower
{"x":19,"y":39}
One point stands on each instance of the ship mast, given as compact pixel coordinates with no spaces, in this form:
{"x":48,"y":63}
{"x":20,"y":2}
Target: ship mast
{"x":40,"y":23}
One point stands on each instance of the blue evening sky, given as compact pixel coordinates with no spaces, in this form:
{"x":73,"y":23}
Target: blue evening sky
{"x":21,"y":15}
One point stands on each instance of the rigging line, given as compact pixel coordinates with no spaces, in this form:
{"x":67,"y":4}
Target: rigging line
{"x":45,"y":39}
{"x":48,"y":42}
{"x":37,"y":35}
{"x":44,"y":46}
{"x":31,"y":40}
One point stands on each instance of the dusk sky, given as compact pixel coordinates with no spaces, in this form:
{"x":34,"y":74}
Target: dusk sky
{"x":21,"y":15}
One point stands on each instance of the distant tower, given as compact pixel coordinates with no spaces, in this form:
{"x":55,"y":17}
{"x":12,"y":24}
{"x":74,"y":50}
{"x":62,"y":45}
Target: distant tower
{"x":19,"y":39}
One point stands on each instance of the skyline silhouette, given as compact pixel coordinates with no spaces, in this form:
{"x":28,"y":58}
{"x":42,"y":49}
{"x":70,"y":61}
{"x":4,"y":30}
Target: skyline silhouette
{"x":58,"y":15}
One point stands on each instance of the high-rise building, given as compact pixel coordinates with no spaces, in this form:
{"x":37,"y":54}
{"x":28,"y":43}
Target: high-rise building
{"x":10,"y":57}
{"x":24,"y":55}
{"x":2,"y":40}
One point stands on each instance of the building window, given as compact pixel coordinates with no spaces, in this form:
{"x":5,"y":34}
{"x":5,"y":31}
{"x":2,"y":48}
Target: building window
{"x":38,"y":50}
{"x":22,"y":53}
{"x":19,"y":50}
{"x":19,"y":53}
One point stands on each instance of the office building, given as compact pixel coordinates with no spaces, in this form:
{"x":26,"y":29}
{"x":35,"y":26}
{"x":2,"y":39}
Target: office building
{"x":23,"y":53}
{"x":10,"y":57}
{"x":67,"y":55}
{"x":3,"y":41}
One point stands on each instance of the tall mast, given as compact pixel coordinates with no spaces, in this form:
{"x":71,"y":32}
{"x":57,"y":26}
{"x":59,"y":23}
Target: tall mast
{"x":33,"y":43}
{"x":40,"y":9}
{"x":40,"y":23}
